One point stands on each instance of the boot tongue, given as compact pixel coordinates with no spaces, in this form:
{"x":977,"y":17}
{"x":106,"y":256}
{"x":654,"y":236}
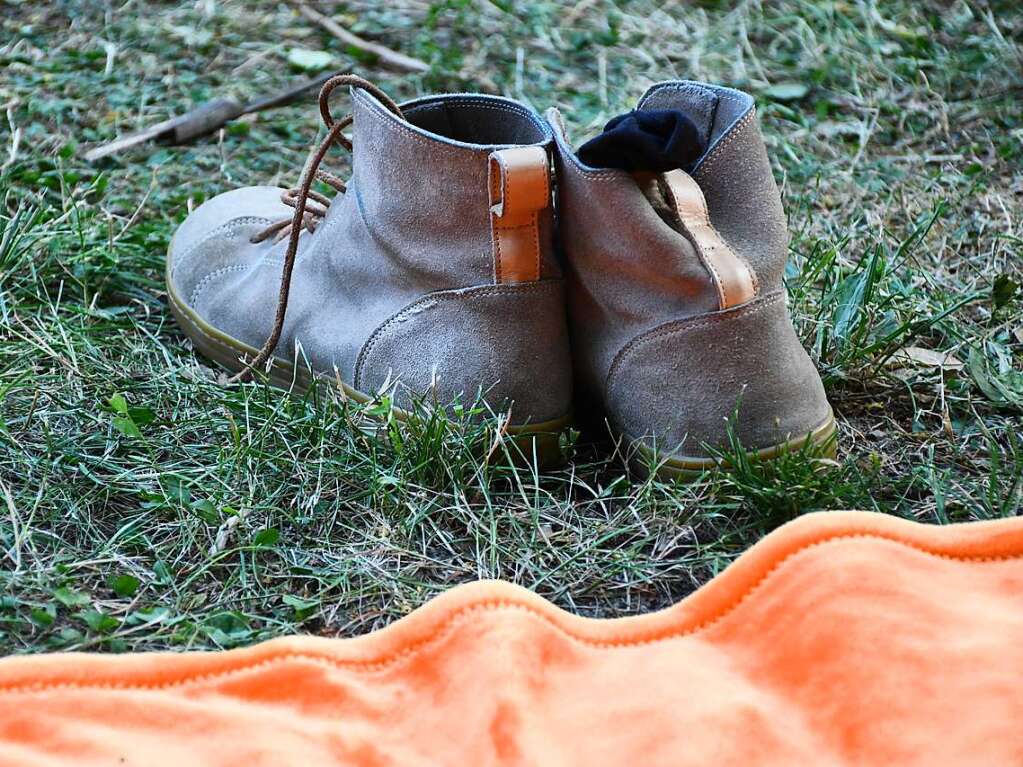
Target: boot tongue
{"x":650,"y":140}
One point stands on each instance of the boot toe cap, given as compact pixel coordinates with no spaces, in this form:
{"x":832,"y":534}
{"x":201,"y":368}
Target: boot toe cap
{"x":250,"y":202}
{"x":217,"y":236}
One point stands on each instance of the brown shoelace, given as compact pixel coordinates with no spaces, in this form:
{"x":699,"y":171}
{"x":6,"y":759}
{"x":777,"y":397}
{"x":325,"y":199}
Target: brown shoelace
{"x":310,"y":206}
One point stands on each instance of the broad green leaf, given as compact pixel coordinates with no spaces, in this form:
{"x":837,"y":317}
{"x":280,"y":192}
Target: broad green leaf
{"x":162,"y":572}
{"x":1002,"y":385}
{"x":126,"y":426}
{"x":70,"y":597}
{"x":852,"y":295}
{"x":99,"y":622}
{"x":141,"y":415}
{"x":787,"y":91}
{"x":124,"y":585}
{"x":303,"y":607}
{"x":268,"y":536}
{"x":1003,"y":291}
{"x":177,"y":491}
{"x":44,"y":616}
{"x":310,"y":60}
{"x":206,"y":511}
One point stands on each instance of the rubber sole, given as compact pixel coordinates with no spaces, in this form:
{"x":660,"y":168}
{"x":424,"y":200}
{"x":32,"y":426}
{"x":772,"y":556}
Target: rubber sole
{"x":536,"y":444}
{"x":686,"y":468}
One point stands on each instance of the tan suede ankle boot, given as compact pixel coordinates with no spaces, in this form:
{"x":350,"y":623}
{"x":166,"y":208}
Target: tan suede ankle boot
{"x":677,"y":307}
{"x":429,"y":276}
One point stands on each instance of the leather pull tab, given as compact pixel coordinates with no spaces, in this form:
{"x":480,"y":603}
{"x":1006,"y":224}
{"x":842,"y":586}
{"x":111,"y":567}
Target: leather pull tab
{"x":519,"y":190}
{"x":735,"y":281}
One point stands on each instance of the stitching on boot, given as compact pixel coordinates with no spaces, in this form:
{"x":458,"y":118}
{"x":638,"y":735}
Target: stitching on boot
{"x":536,"y":242}
{"x":721,"y":145}
{"x":548,"y":206}
{"x":738,"y":255}
{"x":497,"y":252}
{"x":472,"y":294}
{"x":520,"y":111}
{"x":692,"y":88}
{"x":708,"y":262}
{"x":593,"y":174}
{"x":513,"y":228}
{"x":485,"y":102}
{"x":201,"y":286}
{"x":229,"y":228}
{"x":439,"y":144}
{"x":499,"y":257}
{"x":205,"y":281}
{"x":684,"y":326}
{"x":710,"y":265}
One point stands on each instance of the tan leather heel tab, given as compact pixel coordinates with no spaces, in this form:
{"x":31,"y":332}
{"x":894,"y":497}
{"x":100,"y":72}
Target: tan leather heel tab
{"x":735,"y":281}
{"x":519,"y":189}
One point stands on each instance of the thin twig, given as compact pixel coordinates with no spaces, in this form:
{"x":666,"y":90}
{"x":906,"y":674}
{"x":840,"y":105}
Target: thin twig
{"x":12,"y":510}
{"x":15,"y":139}
{"x":138,"y":211}
{"x":386,"y":55}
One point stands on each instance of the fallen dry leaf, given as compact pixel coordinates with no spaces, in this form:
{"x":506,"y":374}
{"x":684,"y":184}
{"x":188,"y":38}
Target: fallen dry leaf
{"x":927,"y":357}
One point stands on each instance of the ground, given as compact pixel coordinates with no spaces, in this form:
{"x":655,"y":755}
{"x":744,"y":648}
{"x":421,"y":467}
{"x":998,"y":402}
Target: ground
{"x":146,"y":504}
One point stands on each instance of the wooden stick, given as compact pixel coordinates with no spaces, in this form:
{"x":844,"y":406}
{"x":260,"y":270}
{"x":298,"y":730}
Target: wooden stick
{"x":205,"y":118}
{"x":386,"y":55}
{"x":289,"y":95}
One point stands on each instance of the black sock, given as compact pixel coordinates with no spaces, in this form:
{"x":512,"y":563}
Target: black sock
{"x":651,"y":139}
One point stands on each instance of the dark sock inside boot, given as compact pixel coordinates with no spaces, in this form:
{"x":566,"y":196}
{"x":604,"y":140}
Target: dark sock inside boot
{"x":655,"y":140}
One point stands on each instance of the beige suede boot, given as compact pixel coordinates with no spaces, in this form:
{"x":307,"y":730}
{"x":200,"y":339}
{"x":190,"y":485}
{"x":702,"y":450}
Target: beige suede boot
{"x":677,"y":308}
{"x":430,"y":276}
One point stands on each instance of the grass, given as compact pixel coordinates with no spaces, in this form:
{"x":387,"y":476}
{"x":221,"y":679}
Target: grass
{"x":145,"y":505}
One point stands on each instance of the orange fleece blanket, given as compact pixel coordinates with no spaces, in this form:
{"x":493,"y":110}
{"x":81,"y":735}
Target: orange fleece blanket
{"x":840,"y":639}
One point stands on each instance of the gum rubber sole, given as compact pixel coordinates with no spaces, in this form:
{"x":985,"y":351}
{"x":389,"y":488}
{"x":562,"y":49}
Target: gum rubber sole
{"x":684,"y":468}
{"x":536,"y":443}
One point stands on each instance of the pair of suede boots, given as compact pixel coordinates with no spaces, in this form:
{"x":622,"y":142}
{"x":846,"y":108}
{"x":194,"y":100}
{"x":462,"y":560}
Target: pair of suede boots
{"x":452,"y":264}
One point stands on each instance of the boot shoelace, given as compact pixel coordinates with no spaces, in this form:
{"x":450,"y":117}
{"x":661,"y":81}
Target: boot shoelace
{"x":310,"y":206}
